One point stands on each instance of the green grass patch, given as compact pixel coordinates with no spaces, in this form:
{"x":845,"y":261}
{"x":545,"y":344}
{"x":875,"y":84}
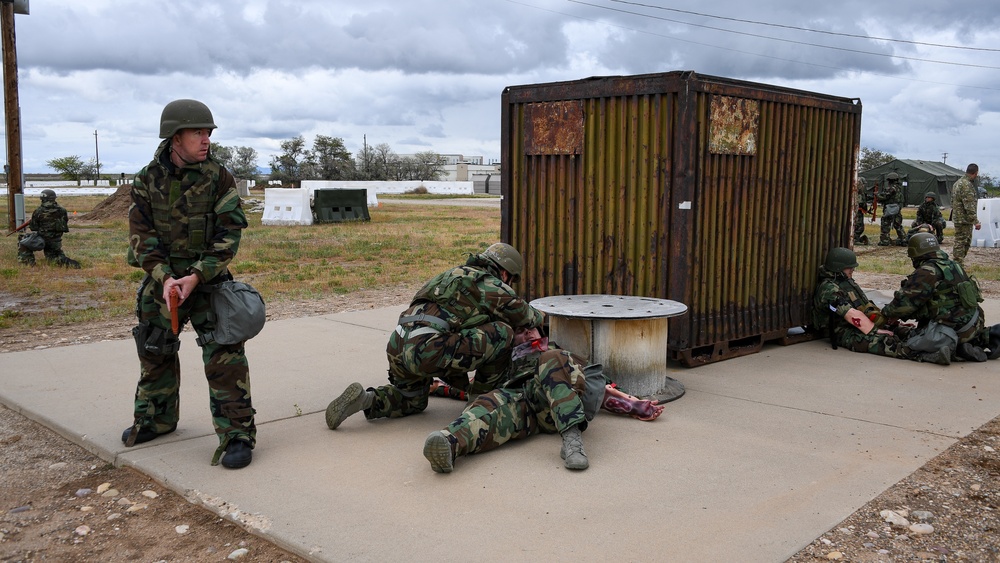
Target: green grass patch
{"x":402,"y":244}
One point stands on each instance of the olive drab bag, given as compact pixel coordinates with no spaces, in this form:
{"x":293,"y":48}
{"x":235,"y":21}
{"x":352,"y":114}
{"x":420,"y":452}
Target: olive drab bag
{"x":32,"y":242}
{"x":238,"y":313}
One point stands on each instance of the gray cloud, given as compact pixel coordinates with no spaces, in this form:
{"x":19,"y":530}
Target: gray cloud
{"x":428,"y":75}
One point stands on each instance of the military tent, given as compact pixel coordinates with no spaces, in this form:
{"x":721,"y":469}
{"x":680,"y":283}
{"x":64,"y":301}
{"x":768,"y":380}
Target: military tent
{"x":918,"y":177}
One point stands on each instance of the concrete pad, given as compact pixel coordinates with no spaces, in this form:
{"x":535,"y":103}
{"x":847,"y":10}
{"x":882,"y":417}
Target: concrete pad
{"x":761,"y":456}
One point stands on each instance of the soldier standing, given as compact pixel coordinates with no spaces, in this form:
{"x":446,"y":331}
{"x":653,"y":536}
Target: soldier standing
{"x":461,"y":320}
{"x":892,"y":211}
{"x":50,"y":221}
{"x":963,"y":211}
{"x":185,"y":225}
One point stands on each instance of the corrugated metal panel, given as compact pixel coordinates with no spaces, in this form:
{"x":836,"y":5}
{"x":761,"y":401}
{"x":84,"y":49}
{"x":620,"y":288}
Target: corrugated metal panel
{"x":721,"y":194}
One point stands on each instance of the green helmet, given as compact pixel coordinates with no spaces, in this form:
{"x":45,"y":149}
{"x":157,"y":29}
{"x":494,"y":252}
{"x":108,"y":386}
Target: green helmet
{"x":48,"y":195}
{"x":922,"y":244}
{"x":931,"y":195}
{"x":184,"y":114}
{"x":840,"y":258}
{"x":892,"y":176}
{"x":506,"y":257}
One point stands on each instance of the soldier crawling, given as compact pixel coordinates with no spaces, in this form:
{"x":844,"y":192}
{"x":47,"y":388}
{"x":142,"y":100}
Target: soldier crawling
{"x":547,"y":391}
{"x":50,"y":221}
{"x":461,"y":320}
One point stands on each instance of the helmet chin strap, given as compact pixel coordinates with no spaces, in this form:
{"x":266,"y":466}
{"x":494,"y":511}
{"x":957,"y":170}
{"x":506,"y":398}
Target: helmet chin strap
{"x":186,"y":161}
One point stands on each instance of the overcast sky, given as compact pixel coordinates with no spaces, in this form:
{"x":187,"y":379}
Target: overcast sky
{"x":427,"y":75}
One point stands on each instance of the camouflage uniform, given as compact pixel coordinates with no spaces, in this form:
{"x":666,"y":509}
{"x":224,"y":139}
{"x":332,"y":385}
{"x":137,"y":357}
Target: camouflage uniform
{"x":859,"y":213}
{"x":544,"y":394}
{"x":49,"y":220}
{"x":461,"y":320}
{"x":835,"y":295}
{"x":939,"y":290}
{"x":929,"y":214}
{"x":963,"y":214}
{"x":182,"y":221}
{"x":891,"y":194}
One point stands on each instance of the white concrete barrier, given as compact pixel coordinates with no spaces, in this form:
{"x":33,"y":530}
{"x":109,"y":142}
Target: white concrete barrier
{"x":370,"y":195}
{"x":63,"y":191}
{"x":988,"y":213}
{"x":374,"y":187}
{"x":287,"y":206}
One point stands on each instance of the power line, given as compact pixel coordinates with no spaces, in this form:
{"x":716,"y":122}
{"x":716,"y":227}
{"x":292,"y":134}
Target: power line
{"x":867,"y":37}
{"x":759,"y":36}
{"x":744,"y":52}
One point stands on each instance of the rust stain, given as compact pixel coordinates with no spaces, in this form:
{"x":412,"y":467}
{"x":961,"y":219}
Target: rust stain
{"x":734,"y":125}
{"x":554,"y":128}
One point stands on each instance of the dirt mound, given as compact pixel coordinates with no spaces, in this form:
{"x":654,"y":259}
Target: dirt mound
{"x":115,"y":206}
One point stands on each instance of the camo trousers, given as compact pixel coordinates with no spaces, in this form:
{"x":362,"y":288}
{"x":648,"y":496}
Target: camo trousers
{"x":963,"y":239}
{"x":550,"y":403}
{"x":859,"y":225}
{"x":157,"y":396}
{"x":53,"y":250}
{"x":889,"y":223}
{"x":873,"y":343}
{"x":417,"y":355}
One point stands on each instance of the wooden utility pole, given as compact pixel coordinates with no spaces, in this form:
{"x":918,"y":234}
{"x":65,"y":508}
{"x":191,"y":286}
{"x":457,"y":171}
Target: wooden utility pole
{"x":12,"y":110}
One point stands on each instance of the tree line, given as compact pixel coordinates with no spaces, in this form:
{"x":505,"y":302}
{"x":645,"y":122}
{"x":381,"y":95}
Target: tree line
{"x":327,"y":159}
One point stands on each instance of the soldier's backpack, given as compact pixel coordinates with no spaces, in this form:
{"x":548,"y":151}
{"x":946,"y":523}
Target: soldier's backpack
{"x":238,"y":312}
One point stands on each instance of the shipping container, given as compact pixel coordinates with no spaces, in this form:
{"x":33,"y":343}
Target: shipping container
{"x":722,"y":194}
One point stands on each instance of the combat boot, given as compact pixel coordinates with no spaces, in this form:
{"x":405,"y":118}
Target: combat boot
{"x":142,"y":435}
{"x":69,"y":263}
{"x":572,"y":449}
{"x":942,"y":357}
{"x":968,"y":351}
{"x":437,"y":450}
{"x":883,"y":242}
{"x":238,"y":454}
{"x":994,"y":342}
{"x":352,"y":400}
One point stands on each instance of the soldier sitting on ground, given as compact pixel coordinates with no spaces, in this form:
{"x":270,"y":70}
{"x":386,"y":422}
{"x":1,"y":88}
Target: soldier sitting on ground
{"x":929,"y":218}
{"x":843,"y":311}
{"x":50,"y":221}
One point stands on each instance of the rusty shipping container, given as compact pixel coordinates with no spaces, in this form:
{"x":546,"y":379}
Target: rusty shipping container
{"x":722,"y":194}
